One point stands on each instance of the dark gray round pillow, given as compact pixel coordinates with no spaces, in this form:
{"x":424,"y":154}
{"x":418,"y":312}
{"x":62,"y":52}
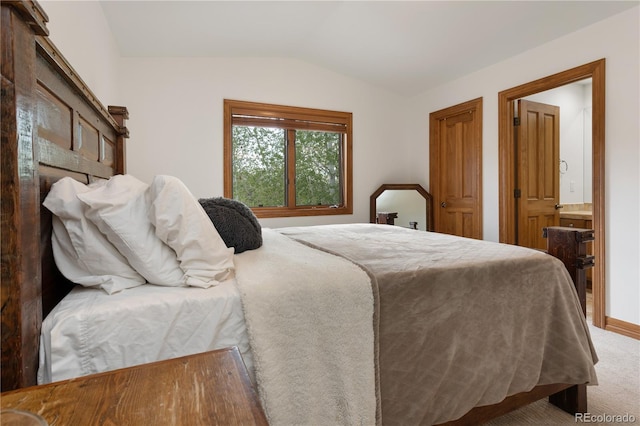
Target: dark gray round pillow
{"x":235,"y":222}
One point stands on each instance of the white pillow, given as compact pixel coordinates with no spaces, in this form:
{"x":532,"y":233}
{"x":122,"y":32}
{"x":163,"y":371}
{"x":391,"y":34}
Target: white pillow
{"x":120,"y":209}
{"x":183,"y":225}
{"x":82,"y":253}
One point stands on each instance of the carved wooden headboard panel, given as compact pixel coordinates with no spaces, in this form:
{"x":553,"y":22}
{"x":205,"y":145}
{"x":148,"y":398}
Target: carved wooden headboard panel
{"x":52,"y":126}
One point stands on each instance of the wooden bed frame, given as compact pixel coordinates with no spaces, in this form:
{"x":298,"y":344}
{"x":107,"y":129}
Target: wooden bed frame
{"x":54,"y":126}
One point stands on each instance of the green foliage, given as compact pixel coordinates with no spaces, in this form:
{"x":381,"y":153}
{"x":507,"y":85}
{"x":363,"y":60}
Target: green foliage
{"x":317,"y":168}
{"x":259,"y":173}
{"x":260,"y":169}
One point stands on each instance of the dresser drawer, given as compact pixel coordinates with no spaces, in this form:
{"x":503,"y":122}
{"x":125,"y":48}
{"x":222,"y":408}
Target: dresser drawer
{"x":574,"y":223}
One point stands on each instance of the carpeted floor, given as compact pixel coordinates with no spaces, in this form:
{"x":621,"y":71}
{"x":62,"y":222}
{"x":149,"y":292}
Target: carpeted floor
{"x":617,"y":394}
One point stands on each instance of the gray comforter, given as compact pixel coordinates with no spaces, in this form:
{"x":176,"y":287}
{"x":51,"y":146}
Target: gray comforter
{"x":462,"y":322}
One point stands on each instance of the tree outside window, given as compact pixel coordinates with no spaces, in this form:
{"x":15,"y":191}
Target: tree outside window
{"x":288,"y":161}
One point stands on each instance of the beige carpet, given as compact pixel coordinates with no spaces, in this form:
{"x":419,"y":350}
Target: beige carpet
{"x":617,"y":394}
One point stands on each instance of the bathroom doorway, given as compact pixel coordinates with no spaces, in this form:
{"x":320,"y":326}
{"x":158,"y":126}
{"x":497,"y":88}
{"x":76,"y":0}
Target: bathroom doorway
{"x":508,"y":224}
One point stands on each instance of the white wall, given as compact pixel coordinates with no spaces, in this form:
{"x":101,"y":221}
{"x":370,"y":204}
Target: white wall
{"x":176,"y":109}
{"x":176,"y":120}
{"x":79,"y":29}
{"x":618,"y":40}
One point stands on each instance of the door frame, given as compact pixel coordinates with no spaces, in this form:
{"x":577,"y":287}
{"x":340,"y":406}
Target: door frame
{"x":596,"y":71}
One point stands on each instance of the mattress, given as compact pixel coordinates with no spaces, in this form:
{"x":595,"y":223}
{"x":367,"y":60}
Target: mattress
{"x":90,"y":331}
{"x":501,"y":320}
{"x":463,"y":322}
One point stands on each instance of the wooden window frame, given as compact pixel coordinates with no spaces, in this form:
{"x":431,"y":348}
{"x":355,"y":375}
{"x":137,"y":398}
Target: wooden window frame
{"x":288,"y":117}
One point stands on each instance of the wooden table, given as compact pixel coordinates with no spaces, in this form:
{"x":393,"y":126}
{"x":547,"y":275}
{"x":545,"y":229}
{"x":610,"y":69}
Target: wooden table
{"x":211,"y":388}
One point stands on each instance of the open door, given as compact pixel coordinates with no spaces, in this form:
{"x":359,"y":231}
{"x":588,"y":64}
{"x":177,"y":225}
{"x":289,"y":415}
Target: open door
{"x":538,"y":175}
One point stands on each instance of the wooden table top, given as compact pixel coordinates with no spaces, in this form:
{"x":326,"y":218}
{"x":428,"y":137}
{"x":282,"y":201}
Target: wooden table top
{"x":211,"y":388}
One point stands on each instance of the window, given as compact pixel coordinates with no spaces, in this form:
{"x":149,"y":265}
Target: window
{"x":287,"y":161}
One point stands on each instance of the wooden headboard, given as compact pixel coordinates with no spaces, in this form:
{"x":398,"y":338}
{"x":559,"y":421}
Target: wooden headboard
{"x":52,"y":126}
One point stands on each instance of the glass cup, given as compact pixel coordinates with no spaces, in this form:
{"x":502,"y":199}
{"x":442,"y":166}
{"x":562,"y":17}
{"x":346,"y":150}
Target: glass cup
{"x":12,"y":417}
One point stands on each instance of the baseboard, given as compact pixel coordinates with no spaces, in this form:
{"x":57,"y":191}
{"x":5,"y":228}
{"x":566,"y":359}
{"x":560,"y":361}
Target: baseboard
{"x":622,"y":327}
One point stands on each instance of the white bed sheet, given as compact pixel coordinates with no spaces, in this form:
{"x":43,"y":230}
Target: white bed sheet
{"x":90,"y":331}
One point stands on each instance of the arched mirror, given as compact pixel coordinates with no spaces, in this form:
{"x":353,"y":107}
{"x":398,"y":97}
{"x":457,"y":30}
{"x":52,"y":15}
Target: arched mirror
{"x":400,"y":204}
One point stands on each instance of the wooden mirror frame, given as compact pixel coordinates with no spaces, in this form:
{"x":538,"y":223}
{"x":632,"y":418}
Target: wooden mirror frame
{"x":404,"y":186}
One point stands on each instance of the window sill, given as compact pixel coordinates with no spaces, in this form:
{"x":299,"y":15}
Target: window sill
{"x":272,"y":212}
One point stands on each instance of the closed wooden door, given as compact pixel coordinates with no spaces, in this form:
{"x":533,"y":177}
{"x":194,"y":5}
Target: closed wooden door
{"x":538,"y":174}
{"x":455,"y":152}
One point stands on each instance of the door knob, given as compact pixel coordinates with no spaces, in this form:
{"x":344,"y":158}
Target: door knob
{"x":443,"y":204}
{"x":559,"y":206}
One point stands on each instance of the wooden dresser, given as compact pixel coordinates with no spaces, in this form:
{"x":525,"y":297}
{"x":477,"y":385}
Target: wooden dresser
{"x":211,"y":388}
{"x":569,"y":244}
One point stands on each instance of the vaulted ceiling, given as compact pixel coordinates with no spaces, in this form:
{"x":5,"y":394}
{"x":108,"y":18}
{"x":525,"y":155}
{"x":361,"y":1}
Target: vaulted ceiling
{"x":404,"y":46}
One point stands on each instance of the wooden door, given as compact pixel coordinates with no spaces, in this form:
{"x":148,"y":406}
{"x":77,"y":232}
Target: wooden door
{"x":538,"y":174}
{"x":455,"y":159}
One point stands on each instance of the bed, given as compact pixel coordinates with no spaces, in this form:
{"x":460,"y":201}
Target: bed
{"x":54,"y":128}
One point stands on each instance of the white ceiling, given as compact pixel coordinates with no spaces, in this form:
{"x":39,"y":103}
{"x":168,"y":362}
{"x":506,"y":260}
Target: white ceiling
{"x":404,"y":46}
